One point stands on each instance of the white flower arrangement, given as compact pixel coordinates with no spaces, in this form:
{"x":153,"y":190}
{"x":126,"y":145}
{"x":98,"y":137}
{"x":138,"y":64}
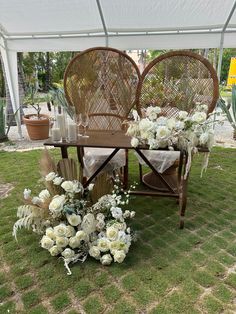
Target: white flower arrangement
{"x":186,"y":131}
{"x":73,"y":227}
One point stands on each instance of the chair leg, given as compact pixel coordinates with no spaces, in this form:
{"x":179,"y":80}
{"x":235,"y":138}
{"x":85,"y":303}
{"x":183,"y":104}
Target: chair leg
{"x":140,"y":173}
{"x":126,"y":171}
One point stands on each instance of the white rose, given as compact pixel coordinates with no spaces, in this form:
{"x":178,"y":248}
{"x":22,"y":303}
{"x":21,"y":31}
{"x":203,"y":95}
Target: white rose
{"x":182,"y":115}
{"x":78,"y":187}
{"x":161,"y":121}
{"x":111,"y":233}
{"x":62,"y":241}
{"x":170,"y":123}
{"x":119,"y":256}
{"x":60,"y":230}
{"x":68,"y":253}
{"x":90,"y":187}
{"x":152,"y":112}
{"x":55,"y":250}
{"x":146,"y":125}
{"x":89,"y":223}
{"x":44,"y":195}
{"x":162,"y":132}
{"x":94,"y":252}
{"x":126,"y":214}
{"x":50,"y":233}
{"x":81,"y":235}
{"x":58,"y":180}
{"x":68,"y":186}
{"x":100,"y":225}
{"x":116,"y":212}
{"x":74,"y":242}
{"x":179,"y":125}
{"x":51,"y":176}
{"x":134,"y":142}
{"x":36,"y":200}
{"x":70,"y":231}
{"x":133,"y":129}
{"x":100,"y":216}
{"x":146,"y":135}
{"x":119,"y":226}
{"x":199,"y":117}
{"x":46,"y":242}
{"x":27,"y":193}
{"x":106,"y":259}
{"x":132,"y":214}
{"x":72,"y":186}
{"x":153,"y":143}
{"x":73,"y":219}
{"x":57,"y":203}
{"x":103,"y":244}
{"x":114,"y":245}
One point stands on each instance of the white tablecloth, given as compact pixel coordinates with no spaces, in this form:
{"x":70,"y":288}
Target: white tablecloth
{"x":94,"y":157}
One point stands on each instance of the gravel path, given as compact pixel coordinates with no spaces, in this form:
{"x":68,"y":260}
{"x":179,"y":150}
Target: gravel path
{"x":223,"y":135}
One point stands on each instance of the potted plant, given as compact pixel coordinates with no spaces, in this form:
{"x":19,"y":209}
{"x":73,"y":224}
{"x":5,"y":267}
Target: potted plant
{"x":230,"y":110}
{"x":37,"y":124}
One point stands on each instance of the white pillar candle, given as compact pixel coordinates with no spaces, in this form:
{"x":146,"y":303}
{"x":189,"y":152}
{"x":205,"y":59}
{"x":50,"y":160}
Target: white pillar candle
{"x":62,"y":125}
{"x":56,"y":134}
{"x":72,"y":132}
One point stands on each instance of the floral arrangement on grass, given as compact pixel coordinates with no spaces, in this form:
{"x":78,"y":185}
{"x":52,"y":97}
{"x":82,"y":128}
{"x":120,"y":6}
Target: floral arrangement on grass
{"x":75,"y":222}
{"x":183,"y":132}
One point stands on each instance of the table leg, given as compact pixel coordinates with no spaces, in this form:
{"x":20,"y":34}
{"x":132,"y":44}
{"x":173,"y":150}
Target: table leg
{"x":183,"y":191}
{"x":80,"y":155}
{"x":64,"y":152}
{"x":101,"y":167}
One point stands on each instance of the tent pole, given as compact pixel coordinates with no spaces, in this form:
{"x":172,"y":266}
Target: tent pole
{"x":220,"y":56}
{"x":222,"y":40}
{"x":103,"y":21}
{"x":10,"y":65}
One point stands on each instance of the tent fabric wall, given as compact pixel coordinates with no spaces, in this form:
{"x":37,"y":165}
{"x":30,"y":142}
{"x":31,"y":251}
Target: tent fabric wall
{"x":9,"y":58}
{"x":72,"y":25}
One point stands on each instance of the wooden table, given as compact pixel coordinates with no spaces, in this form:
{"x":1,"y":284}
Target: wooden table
{"x":117,"y":141}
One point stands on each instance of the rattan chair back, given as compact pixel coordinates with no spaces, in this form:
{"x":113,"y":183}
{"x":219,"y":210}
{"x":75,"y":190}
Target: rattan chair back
{"x":178,"y":80}
{"x":102,"y":82}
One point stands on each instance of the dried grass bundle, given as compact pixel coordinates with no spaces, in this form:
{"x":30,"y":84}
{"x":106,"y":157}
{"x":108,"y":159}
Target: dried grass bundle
{"x":103,"y":185}
{"x":67,"y":169}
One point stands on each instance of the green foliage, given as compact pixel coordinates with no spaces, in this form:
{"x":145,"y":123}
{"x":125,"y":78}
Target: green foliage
{"x":228,"y":53}
{"x":36,"y":63}
{"x":58,"y":98}
{"x":230,"y":110}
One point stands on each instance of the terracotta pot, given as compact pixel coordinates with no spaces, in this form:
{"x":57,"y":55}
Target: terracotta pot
{"x":37,"y":129}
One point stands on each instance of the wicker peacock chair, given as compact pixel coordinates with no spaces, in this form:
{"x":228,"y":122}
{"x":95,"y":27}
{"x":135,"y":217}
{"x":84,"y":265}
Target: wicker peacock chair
{"x":176,"y":81}
{"x":102,"y":82}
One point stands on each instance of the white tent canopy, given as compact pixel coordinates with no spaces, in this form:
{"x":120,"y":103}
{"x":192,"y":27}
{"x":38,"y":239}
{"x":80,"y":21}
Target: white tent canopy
{"x":72,"y":25}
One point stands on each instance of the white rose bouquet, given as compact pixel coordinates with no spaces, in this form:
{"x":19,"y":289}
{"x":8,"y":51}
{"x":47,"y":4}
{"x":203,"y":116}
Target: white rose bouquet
{"x":186,"y":131}
{"x":73,"y":226}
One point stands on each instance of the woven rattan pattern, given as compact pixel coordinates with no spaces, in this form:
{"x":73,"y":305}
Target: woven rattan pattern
{"x":178,"y":81}
{"x":103,"y":83}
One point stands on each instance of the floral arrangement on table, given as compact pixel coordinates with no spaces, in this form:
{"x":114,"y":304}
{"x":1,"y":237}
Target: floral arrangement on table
{"x":75,"y":222}
{"x":186,"y":131}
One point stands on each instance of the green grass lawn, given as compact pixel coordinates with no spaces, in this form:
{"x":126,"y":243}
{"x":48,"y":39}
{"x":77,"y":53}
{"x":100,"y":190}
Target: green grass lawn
{"x":166,"y":271}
